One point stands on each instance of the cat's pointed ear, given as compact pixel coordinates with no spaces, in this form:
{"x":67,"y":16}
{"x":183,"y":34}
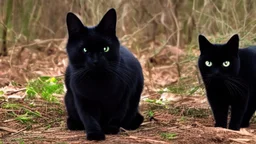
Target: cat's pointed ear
{"x":74,"y":24}
{"x":203,"y":43}
{"x":107,"y":24}
{"x":233,"y":43}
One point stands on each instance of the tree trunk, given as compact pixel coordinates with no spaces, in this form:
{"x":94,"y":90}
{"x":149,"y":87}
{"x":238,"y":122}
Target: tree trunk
{"x":8,"y":15}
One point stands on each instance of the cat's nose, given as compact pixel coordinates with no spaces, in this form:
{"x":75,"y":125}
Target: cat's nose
{"x":95,"y":62}
{"x":216,"y":72}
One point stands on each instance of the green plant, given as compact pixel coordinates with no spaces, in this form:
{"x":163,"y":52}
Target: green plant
{"x":25,"y":115}
{"x":253,"y":120}
{"x":194,"y":112}
{"x":1,"y":93}
{"x":9,"y":105}
{"x":19,"y":140}
{"x":182,"y":119}
{"x":25,"y":118}
{"x":168,"y":136}
{"x":189,"y":112}
{"x":154,"y":101}
{"x":150,"y":113}
{"x":45,"y":87}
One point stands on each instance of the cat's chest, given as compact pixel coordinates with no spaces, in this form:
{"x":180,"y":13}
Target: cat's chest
{"x":217,"y":87}
{"x":228,"y":88}
{"x":98,"y":87}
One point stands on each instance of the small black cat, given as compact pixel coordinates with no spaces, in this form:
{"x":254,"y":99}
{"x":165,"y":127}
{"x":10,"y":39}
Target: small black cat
{"x":104,"y":80}
{"x":229,"y":76}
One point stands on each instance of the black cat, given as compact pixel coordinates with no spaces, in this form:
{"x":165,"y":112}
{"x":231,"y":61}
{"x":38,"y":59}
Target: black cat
{"x":104,"y":80}
{"x":229,"y":76}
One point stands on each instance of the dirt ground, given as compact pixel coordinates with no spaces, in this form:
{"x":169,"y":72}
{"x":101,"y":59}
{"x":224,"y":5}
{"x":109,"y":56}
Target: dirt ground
{"x":185,"y":120}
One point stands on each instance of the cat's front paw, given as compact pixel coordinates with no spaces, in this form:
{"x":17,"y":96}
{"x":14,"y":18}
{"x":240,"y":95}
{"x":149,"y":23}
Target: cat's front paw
{"x":245,"y":125}
{"x":135,"y":123}
{"x":138,"y":120}
{"x":112,"y":130}
{"x":95,"y":136}
{"x":234,"y":127}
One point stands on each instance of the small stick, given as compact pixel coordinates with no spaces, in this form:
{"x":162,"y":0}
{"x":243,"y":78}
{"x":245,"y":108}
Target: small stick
{"x":148,"y":140}
{"x":19,"y":131}
{"x":8,"y":129}
{"x":13,"y":92}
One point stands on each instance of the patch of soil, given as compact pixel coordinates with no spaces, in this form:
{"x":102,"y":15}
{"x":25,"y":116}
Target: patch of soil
{"x":196,"y":131}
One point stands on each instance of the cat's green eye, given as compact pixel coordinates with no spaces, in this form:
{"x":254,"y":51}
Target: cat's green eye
{"x":85,"y":50}
{"x":106,"y":49}
{"x":226,"y":63}
{"x":208,"y":63}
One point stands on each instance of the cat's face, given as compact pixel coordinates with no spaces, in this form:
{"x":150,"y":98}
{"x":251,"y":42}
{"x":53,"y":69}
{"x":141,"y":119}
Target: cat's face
{"x":92,"y":47}
{"x":219,"y":61}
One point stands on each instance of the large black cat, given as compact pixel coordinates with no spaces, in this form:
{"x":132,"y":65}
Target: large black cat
{"x":229,"y":76}
{"x":104,"y":80}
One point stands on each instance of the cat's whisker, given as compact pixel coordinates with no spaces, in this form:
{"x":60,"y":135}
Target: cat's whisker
{"x":76,"y":72}
{"x":118,"y":64}
{"x":239,"y":85}
{"x":124,"y":70}
{"x":117,"y":75}
{"x":229,"y":87}
{"x":235,"y":88}
{"x":239,"y":82}
{"x":125,"y":75}
{"x":80,"y":75}
{"x":125,"y":78}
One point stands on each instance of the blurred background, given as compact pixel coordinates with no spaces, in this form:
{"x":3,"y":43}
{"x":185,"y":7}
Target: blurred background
{"x":175,"y":22}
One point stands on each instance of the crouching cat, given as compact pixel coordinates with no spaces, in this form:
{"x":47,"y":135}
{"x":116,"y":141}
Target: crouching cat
{"x":104,"y":80}
{"x":229,"y":76}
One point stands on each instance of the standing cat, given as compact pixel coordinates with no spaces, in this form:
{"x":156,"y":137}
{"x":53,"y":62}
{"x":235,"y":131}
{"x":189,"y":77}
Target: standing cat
{"x":104,"y":80}
{"x":229,"y":76}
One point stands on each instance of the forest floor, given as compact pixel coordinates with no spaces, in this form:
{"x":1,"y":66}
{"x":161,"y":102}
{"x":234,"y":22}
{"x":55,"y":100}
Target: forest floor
{"x":173,"y":102}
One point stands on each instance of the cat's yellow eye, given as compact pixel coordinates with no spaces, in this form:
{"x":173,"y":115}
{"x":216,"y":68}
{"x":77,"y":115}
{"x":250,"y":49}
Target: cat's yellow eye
{"x":226,"y":63}
{"x":106,"y":49}
{"x":208,"y":63}
{"x":85,"y":50}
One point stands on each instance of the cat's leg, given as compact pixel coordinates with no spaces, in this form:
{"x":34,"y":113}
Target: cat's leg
{"x":237,"y":111}
{"x":133,"y":118}
{"x":220,"y":113}
{"x":112,"y":126}
{"x":250,"y":110}
{"x":118,"y":114}
{"x":73,"y":120}
{"x":238,"y":107}
{"x":89,"y":113}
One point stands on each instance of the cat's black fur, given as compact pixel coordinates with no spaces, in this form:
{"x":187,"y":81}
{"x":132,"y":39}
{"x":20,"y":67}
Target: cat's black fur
{"x":233,"y":86}
{"x":103,"y":88}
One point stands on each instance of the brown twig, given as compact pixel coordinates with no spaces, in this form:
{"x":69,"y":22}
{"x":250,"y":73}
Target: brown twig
{"x":40,"y":42}
{"x":13,"y":92}
{"x":19,"y":131}
{"x":8,"y":129}
{"x":148,"y":140}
